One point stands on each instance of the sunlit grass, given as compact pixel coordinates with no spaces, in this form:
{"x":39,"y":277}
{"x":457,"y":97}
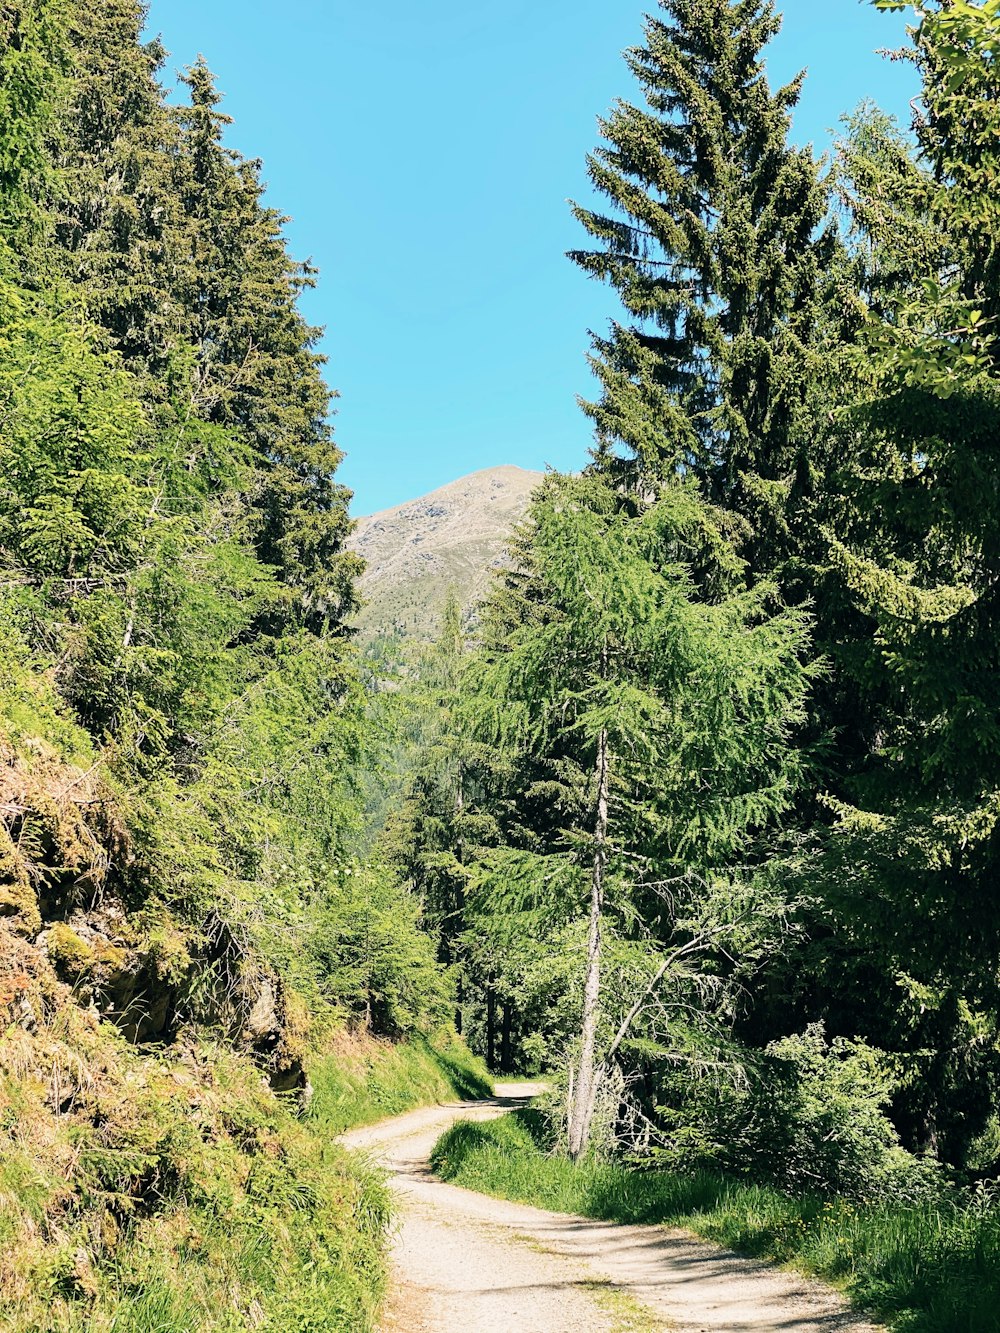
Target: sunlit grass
{"x":188,"y":1199}
{"x":372,"y":1080}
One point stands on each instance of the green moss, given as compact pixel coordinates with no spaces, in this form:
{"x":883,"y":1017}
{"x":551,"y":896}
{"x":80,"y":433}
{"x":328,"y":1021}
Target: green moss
{"x":70,"y":955}
{"x":108,"y":958}
{"x":167,"y":948}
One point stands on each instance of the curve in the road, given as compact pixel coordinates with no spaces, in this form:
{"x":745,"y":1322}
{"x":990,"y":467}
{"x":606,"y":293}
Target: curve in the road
{"x":467,"y":1263}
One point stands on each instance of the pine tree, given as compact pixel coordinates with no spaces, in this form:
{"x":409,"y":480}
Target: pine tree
{"x":114,"y":212}
{"x":255,"y":364}
{"x":716,"y":249}
{"x":164,"y":231}
{"x":33,"y":62}
{"x":426,"y":837}
{"x":171,"y":574}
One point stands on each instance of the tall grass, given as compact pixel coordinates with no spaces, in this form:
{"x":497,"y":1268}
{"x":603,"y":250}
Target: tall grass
{"x":181,"y":1196}
{"x":364,"y":1080}
{"x":932,"y":1267}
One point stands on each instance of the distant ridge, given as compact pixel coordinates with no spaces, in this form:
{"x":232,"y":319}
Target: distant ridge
{"x":450,"y":538}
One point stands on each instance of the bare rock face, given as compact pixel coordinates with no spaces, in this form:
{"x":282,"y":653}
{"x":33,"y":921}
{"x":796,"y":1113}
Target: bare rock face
{"x":449,"y":539}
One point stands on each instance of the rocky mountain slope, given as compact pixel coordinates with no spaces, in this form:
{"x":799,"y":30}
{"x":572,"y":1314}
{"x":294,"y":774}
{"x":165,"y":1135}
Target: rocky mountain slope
{"x":450,"y":538}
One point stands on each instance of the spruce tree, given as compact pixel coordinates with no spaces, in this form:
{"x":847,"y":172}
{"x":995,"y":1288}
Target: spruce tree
{"x":915,"y":857}
{"x":715,"y":245}
{"x":426,"y":837}
{"x":256,"y":368}
{"x":164,"y":231}
{"x":33,"y":63}
{"x":114,"y":212}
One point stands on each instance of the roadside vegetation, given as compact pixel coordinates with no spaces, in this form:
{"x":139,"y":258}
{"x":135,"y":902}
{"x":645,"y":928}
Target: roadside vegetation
{"x":362,"y":1080}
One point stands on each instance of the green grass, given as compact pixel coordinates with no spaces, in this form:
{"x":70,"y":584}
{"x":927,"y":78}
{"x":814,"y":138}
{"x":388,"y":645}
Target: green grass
{"x":927,"y":1268}
{"x":362,"y":1082}
{"x":181,"y":1196}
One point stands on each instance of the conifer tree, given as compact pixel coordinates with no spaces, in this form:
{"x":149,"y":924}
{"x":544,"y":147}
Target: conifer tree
{"x":33,"y":62}
{"x":668,"y":716}
{"x":114,"y":212}
{"x":426,"y":837}
{"x":256,"y":367}
{"x":171,"y":572}
{"x":915,"y":866}
{"x":164,"y":230}
{"x":715,"y":246}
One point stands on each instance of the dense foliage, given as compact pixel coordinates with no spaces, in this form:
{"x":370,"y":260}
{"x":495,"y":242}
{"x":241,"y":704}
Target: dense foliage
{"x":735,"y":789}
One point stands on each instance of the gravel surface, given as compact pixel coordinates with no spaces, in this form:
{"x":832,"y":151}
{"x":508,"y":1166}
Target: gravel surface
{"x":467,"y":1263}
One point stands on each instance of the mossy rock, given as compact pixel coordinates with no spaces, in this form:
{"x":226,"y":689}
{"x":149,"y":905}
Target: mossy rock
{"x":109,"y":959}
{"x":17,"y":897}
{"x":166,"y":947}
{"x":71,"y":955}
{"x":17,"y":900}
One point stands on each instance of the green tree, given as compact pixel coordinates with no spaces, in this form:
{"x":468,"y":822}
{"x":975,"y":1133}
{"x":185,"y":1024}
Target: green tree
{"x":170,"y":546}
{"x":915,"y":857}
{"x":164,"y":231}
{"x":114,"y":215}
{"x":668,"y":715}
{"x":717,"y":250}
{"x":256,"y":367}
{"x":33,"y":62}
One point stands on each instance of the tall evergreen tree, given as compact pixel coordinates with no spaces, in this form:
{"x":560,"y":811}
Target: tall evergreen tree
{"x":916,"y":866}
{"x":114,"y":212}
{"x":256,"y":367}
{"x":716,"y":247}
{"x":33,"y":63}
{"x":427,"y":837}
{"x":164,"y":231}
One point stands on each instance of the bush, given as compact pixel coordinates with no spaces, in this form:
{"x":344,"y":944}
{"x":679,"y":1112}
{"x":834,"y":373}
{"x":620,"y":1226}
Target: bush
{"x":809,"y":1116}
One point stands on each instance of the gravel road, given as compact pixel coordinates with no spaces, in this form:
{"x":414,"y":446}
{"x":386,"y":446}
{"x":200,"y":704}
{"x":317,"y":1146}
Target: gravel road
{"x":466,"y":1263}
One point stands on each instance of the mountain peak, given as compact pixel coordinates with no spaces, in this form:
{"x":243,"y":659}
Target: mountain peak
{"x":449,"y":538}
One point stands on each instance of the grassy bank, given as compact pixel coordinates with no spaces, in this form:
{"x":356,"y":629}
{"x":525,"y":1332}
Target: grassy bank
{"x":360,"y":1080}
{"x":172,"y":1193}
{"x":928,"y":1268}
{"x":170,"y":1190}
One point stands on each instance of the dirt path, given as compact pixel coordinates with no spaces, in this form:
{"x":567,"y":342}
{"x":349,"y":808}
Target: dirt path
{"x":466,"y":1263}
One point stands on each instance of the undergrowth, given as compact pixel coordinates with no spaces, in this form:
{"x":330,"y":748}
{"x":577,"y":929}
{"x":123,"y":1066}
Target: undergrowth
{"x":170,"y":1190}
{"x":360,"y":1081}
{"x":175,"y":1194}
{"x":929,"y":1267}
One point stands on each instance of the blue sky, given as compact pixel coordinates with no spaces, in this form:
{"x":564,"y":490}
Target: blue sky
{"x":425,"y":154}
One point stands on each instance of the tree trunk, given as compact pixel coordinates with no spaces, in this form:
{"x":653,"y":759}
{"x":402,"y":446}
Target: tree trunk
{"x":586,"y":1082}
{"x":491,"y":1026}
{"x":459,"y":895}
{"x":506,"y":1024}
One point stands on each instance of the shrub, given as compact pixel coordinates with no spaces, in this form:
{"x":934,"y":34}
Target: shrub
{"x":809,"y":1116}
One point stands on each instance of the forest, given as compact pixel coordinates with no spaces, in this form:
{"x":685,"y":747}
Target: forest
{"x":696,"y":816}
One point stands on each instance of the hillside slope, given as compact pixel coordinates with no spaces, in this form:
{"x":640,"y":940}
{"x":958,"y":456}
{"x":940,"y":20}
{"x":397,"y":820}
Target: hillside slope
{"x":450,"y":538}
